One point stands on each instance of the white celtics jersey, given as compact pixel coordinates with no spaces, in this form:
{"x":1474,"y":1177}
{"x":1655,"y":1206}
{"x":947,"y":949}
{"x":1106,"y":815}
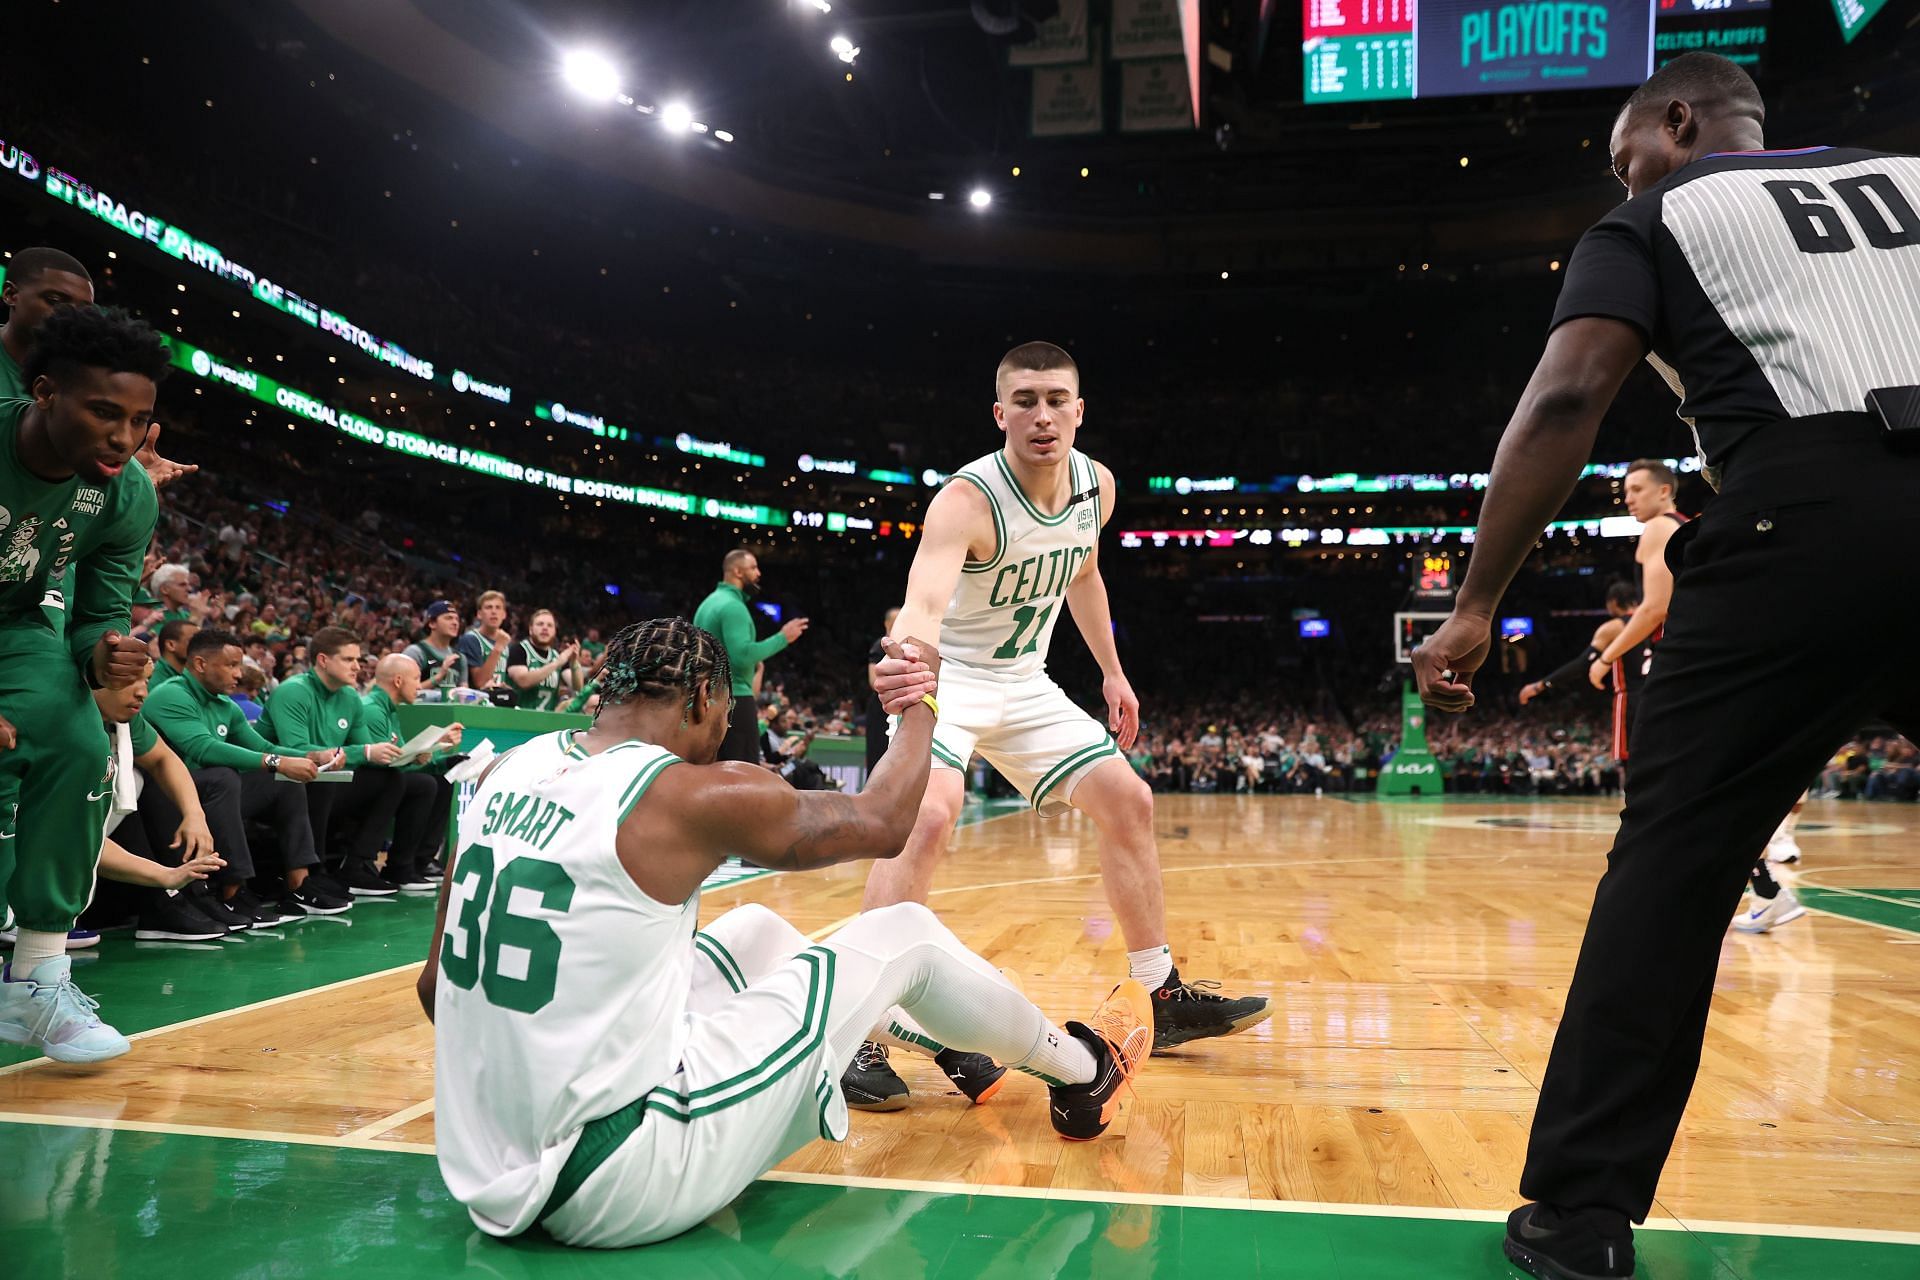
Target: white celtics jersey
{"x":1003,"y":612}
{"x":563,"y":987}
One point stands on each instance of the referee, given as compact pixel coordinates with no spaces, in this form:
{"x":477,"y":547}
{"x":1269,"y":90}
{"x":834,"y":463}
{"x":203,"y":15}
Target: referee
{"x":725,"y":615}
{"x":1775,"y":290}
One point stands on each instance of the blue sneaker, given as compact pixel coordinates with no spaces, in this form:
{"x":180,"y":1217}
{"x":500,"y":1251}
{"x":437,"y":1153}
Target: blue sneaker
{"x":81,"y":939}
{"x":47,"y":1012}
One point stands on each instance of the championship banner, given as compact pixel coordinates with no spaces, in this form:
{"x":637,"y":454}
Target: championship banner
{"x":1062,"y":38}
{"x":1146,"y":29}
{"x":1066,"y":101}
{"x":1154,"y":96}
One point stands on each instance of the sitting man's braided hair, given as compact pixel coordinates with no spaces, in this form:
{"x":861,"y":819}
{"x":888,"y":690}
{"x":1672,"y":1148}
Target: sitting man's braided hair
{"x":664,"y":658}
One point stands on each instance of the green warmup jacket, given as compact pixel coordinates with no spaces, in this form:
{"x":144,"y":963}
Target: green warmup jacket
{"x":306,"y":715}
{"x":725,"y":614}
{"x":208,"y":730}
{"x":100,"y":529}
{"x":380,"y":724}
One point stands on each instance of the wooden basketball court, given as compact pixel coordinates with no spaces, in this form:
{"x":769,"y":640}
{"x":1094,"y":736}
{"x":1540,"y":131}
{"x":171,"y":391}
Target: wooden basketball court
{"x":1418,"y":954}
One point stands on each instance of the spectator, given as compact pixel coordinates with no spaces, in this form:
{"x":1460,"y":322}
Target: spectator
{"x":485,"y":646}
{"x":441,"y":664}
{"x":174,"y":584}
{"x":247,"y":693}
{"x":541,"y":678}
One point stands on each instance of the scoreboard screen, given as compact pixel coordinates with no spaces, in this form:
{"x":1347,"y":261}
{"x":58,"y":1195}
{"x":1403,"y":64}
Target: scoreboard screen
{"x":1368,"y":50}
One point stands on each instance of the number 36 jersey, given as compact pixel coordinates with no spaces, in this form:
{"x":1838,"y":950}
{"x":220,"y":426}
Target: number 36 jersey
{"x":1004,"y":610}
{"x":1769,"y":285}
{"x":563,"y":988}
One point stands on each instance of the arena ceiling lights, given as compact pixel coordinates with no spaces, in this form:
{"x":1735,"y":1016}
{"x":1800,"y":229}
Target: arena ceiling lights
{"x":594,"y":76}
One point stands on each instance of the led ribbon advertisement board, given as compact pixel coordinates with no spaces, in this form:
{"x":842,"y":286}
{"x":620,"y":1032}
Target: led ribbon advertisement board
{"x":204,"y":365}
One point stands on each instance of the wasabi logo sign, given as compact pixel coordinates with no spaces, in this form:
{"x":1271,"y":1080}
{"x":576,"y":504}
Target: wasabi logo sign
{"x":1475,"y":46}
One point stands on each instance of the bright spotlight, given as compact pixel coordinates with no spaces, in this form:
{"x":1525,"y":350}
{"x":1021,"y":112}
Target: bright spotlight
{"x":590,"y":75}
{"x":723,"y":135}
{"x":676,"y":117}
{"x":980,"y":197}
{"x":844,"y":49}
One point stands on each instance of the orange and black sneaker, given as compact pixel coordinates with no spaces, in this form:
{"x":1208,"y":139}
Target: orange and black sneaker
{"x":1184,"y":1011}
{"x":974,"y":1074}
{"x":1120,"y":1035}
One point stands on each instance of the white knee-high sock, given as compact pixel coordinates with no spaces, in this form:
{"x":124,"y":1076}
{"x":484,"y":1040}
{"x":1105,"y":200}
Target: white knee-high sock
{"x":906,"y":957}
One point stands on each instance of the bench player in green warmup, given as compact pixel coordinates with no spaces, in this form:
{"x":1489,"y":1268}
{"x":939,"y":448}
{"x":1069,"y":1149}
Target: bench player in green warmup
{"x":71,"y":494}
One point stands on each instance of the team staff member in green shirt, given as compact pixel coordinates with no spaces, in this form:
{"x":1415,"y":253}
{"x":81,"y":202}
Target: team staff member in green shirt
{"x":423,"y":815}
{"x":233,"y":769}
{"x":72,"y":495}
{"x":725,"y":615}
{"x":319,"y":709}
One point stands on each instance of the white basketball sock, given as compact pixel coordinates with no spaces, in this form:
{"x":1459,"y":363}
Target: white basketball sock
{"x":1150,"y":968}
{"x":32,"y":947}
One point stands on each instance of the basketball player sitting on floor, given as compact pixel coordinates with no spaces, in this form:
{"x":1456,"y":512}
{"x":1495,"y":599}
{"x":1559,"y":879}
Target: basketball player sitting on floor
{"x":1013,"y":536}
{"x":604,"y":1070}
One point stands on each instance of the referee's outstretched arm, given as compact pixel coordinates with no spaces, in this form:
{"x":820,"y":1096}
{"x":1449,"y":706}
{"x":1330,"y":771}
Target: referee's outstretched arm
{"x":1541,"y":455}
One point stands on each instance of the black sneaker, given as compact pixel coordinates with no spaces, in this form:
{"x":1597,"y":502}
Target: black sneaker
{"x":1553,"y":1244}
{"x":975,"y":1074}
{"x":870,"y":1083}
{"x":265,"y":914}
{"x":407,"y":878}
{"x":363,"y":881}
{"x":314,"y":902}
{"x":433,"y":871}
{"x":321,"y":882}
{"x":1121,"y":1039}
{"x":172,"y":917}
{"x":221,"y":912}
{"x":1184,"y":1011}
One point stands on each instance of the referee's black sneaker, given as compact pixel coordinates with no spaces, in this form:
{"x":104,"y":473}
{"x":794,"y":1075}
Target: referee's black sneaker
{"x":870,"y":1083}
{"x":1184,"y":1011}
{"x":1557,"y":1244}
{"x":974,"y":1074}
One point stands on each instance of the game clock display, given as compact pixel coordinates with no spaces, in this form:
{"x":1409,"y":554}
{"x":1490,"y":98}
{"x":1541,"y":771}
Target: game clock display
{"x":1368,"y":50}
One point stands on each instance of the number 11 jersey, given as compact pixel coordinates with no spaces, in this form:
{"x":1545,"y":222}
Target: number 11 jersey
{"x":1004,"y":609}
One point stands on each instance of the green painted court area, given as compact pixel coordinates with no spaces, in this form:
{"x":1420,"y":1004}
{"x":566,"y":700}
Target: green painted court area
{"x":1889,"y":908}
{"x":93,"y":1202}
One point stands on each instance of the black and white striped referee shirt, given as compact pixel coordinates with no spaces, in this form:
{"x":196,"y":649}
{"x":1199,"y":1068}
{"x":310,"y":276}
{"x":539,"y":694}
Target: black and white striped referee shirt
{"x":1769,"y":284}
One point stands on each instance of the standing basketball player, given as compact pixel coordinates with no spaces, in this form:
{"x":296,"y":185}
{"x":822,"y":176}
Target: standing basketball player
{"x":1627,"y":659}
{"x":1776,"y":289}
{"x":604,"y":1070}
{"x":1010,"y":539}
{"x":71,"y":494}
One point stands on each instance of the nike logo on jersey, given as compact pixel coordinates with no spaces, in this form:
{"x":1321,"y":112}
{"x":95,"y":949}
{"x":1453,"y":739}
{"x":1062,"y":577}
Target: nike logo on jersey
{"x":98,"y":795}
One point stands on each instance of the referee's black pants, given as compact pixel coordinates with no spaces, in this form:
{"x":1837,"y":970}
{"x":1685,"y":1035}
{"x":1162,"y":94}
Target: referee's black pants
{"x":1795,"y":607}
